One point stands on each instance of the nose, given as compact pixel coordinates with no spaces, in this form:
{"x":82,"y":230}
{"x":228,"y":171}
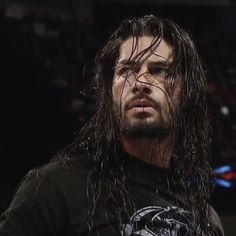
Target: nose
{"x":141,"y":85}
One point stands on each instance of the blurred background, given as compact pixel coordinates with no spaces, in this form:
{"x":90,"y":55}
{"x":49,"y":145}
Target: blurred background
{"x":47,"y":49}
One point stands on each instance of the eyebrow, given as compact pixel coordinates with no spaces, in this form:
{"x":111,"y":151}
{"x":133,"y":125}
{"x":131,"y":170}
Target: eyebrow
{"x":164,"y":64}
{"x":127,"y":62}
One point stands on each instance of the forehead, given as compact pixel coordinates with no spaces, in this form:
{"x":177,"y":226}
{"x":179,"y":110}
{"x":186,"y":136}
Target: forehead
{"x":131,"y":47}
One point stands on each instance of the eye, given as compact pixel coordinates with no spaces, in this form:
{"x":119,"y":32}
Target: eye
{"x":124,"y":70}
{"x":158,"y":71}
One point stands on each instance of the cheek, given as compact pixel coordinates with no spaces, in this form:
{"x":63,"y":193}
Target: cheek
{"x":116,"y":94}
{"x":177,"y":97}
{"x":120,"y":90}
{"x":172,"y":93}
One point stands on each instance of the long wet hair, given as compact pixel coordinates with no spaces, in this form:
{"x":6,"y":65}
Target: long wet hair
{"x":190,"y":170}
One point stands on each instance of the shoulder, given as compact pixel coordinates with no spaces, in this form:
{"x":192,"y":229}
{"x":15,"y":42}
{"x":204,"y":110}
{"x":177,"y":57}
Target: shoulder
{"x":64,"y":174}
{"x":64,"y":181}
{"x":214,"y":222}
{"x":75,"y":166}
{"x":46,"y":197}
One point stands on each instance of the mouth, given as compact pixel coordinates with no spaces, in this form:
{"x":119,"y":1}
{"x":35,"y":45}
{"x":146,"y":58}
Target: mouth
{"x":140,"y":104}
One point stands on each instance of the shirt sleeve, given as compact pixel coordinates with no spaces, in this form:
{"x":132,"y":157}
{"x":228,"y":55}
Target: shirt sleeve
{"x":38,"y":208}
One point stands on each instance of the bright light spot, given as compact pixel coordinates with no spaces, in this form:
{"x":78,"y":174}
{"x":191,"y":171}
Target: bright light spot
{"x":224,"y":183}
{"x":225,"y":110}
{"x":222,"y":169}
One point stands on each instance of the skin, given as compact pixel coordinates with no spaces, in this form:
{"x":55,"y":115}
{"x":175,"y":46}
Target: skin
{"x":141,"y":100}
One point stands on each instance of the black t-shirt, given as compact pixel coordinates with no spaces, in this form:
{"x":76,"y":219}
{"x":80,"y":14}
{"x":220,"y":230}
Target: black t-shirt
{"x":52,"y":200}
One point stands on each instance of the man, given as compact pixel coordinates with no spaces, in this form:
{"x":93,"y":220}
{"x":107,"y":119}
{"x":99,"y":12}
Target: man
{"x":140,"y":165}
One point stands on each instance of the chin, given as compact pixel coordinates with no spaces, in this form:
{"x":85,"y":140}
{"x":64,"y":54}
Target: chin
{"x":144,"y":120}
{"x":144,"y":128}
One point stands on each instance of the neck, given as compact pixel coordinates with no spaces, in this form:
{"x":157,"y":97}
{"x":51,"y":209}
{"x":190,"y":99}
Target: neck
{"x":153,"y":151}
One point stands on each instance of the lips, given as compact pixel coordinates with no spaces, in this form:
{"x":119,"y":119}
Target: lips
{"x":140,"y":103}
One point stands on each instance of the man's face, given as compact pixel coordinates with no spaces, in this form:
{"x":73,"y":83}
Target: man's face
{"x":141,"y":103}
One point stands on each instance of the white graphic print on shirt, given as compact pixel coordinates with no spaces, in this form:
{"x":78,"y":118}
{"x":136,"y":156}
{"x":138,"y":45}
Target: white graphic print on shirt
{"x":155,"y":221}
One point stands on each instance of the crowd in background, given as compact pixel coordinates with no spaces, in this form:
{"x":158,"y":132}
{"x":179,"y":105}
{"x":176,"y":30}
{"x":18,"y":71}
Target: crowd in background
{"x":47,"y":65}
{"x":44,"y":61}
{"x":46,"y":68}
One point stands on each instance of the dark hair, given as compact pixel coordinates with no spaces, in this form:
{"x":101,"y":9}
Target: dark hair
{"x":190,"y":170}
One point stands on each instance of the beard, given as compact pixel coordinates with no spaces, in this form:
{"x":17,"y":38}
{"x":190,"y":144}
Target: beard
{"x":142,"y":125}
{"x":149,"y":130}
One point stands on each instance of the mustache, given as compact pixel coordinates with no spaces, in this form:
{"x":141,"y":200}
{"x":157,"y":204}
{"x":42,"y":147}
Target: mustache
{"x":143,"y":97}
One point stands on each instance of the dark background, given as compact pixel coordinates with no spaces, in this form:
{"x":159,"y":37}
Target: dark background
{"x":46,"y":55}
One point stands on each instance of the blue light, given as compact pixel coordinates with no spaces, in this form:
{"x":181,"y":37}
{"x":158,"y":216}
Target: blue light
{"x":222,"y":169}
{"x":224,"y":183}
